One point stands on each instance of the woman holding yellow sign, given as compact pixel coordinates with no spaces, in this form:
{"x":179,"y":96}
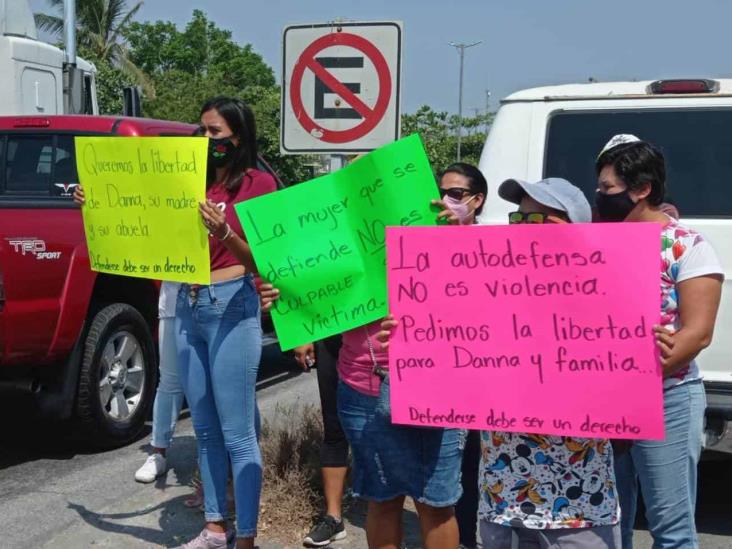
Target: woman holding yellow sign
{"x":219,"y":334}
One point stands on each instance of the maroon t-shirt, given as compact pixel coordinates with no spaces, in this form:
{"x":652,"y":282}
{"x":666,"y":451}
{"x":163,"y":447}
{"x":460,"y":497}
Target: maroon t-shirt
{"x":254,"y":183}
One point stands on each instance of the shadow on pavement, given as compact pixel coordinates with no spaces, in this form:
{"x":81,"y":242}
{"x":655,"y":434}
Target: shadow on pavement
{"x":173,"y":528}
{"x":26,"y":438}
{"x":176,"y":523}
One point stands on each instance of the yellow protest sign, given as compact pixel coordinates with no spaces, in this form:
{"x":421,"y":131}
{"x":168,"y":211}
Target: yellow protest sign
{"x":141,"y":214}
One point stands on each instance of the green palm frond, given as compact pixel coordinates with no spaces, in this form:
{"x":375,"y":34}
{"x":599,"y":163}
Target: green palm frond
{"x":100,"y":28}
{"x":49,"y":23}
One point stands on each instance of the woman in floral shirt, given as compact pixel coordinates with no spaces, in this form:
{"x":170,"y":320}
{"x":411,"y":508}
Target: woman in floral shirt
{"x":631,"y":186}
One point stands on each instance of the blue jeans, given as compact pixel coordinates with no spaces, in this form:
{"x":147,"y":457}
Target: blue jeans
{"x":169,"y":396}
{"x":667,"y":473}
{"x":219,"y":342}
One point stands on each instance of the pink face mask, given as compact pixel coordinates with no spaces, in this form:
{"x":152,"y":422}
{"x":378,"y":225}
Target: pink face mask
{"x":460,"y":209}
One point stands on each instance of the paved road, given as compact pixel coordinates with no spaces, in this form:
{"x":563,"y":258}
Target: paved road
{"x":53,"y":495}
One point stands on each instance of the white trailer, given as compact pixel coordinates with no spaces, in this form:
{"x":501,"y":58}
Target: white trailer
{"x":37,"y":78}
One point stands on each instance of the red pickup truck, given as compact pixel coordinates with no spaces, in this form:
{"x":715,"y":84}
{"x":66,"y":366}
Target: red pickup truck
{"x":80,"y":343}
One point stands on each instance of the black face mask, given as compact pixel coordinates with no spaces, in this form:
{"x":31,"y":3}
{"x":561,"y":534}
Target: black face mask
{"x":220,"y":151}
{"x":614,"y":207}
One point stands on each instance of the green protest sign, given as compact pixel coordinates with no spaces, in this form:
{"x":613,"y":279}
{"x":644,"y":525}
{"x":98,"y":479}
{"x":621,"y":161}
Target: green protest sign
{"x":322,"y":243}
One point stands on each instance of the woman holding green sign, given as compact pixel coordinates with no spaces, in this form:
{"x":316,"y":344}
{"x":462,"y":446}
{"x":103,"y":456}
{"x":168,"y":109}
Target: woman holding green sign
{"x":391,"y":462}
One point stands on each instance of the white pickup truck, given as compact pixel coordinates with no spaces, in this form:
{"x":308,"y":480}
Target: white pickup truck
{"x":557,"y":131}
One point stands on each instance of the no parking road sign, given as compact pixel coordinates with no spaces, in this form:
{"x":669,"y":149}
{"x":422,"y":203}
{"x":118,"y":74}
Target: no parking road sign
{"x":341,"y":86}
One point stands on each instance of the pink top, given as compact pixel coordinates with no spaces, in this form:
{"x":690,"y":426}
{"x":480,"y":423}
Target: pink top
{"x":355,"y":364}
{"x":255,"y":183}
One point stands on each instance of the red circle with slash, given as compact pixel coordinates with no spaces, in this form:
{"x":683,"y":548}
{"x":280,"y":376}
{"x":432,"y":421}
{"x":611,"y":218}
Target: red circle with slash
{"x":371,"y":116}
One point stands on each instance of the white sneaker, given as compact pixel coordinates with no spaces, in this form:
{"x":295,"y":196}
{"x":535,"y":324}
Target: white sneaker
{"x":154,"y":466}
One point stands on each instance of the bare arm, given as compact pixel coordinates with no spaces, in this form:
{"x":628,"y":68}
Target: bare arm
{"x":698,"y":304}
{"x":215,"y":222}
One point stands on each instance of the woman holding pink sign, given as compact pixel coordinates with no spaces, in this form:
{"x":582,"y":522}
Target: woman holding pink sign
{"x":631,"y":187}
{"x":538,"y":490}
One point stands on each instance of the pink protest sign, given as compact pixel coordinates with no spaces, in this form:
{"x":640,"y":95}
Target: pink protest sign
{"x":527,"y":328}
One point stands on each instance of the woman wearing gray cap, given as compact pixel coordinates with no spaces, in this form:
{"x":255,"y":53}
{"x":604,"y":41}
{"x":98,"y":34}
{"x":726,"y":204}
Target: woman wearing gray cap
{"x":536,"y":493}
{"x":535,"y":490}
{"x":631,"y":187}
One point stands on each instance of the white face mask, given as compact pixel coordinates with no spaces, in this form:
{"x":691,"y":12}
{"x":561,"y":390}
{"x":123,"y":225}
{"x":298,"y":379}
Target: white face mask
{"x":460,"y":209}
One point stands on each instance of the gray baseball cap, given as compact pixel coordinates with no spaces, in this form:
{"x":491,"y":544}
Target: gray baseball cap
{"x":553,"y":192}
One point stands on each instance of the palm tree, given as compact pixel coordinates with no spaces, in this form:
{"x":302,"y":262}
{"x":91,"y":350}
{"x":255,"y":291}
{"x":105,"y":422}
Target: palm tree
{"x":100,"y":26}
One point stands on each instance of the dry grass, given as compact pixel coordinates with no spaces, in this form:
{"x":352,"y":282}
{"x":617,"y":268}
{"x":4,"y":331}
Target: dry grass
{"x":292,"y":492}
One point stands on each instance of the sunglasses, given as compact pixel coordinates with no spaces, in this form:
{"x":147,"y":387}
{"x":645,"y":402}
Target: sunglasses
{"x":515,"y":218}
{"x":456,"y":193}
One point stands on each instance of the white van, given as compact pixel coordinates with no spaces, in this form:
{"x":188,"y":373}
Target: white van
{"x":557,"y":131}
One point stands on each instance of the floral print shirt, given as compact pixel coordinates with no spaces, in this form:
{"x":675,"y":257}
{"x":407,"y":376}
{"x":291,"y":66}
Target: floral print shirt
{"x":685,"y":254}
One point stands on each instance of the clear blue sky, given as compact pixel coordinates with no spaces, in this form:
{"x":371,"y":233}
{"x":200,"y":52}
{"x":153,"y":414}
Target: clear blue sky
{"x":525,"y":42}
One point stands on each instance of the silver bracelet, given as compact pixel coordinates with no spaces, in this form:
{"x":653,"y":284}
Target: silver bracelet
{"x":228,"y":233}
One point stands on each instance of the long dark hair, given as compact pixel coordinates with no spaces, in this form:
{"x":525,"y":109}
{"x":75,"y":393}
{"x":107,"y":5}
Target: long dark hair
{"x":240,"y":119}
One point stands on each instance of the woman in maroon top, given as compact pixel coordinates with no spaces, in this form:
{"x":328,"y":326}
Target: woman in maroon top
{"x":218,"y":331}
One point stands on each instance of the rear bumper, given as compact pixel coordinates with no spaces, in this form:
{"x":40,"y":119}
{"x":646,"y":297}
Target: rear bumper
{"x":718,"y":431}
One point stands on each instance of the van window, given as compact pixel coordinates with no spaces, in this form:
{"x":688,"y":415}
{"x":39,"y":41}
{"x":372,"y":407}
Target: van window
{"x":28,"y":165}
{"x":695,"y":142}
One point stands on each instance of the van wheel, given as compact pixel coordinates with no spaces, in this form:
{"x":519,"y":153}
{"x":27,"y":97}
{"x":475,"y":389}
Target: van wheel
{"x":117,"y":376}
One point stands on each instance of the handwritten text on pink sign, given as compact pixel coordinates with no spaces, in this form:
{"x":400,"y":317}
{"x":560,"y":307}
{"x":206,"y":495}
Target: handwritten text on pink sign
{"x":542,"y":329}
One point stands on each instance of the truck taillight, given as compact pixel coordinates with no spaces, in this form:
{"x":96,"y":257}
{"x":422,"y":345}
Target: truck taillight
{"x":701,"y":85}
{"x":31,"y":123}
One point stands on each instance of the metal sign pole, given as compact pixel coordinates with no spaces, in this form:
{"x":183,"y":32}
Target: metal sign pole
{"x":337,"y":161}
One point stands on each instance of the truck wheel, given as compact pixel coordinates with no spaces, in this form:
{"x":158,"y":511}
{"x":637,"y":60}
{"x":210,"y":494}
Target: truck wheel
{"x":117,"y":376}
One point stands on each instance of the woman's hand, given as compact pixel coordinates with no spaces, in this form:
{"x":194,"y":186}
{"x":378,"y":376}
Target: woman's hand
{"x":214,"y":219}
{"x":665,"y":342}
{"x":446,"y":215}
{"x":387,"y":327}
{"x":268,"y":295}
{"x":305,"y":356}
{"x":79,"y":196}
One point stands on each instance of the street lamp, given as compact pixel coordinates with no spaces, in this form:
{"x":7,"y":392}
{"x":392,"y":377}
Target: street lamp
{"x":461,"y":47}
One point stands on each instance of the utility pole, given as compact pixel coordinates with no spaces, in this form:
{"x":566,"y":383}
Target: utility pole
{"x":487,"y":108}
{"x":461,"y":47}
